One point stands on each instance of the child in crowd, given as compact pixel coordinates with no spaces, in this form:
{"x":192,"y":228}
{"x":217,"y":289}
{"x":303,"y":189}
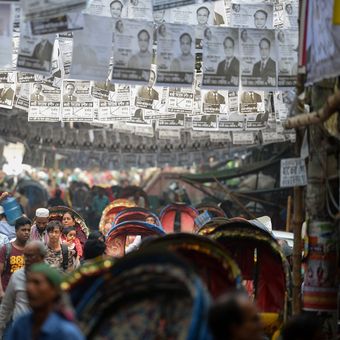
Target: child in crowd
{"x":69,"y":237}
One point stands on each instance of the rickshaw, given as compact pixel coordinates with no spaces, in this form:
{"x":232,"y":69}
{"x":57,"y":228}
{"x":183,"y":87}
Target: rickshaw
{"x":135,"y":214}
{"x":263,"y":265}
{"x":56,"y":213}
{"x":127,"y":236}
{"x":179,"y":217}
{"x":210,"y":260}
{"x":212,"y":209}
{"x":149,"y":292}
{"x":111,"y":211}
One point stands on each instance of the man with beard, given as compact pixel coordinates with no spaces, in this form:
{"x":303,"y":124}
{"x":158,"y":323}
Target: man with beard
{"x":38,"y":230}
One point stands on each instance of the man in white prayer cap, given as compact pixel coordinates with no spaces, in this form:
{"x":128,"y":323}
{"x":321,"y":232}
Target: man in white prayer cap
{"x":38,"y":230}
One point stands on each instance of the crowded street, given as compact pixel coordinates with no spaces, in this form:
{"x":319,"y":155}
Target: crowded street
{"x":169,"y":170}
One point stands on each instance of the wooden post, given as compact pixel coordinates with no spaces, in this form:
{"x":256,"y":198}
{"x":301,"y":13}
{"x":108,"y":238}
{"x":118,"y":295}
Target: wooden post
{"x":297,"y":249}
{"x":289,"y":213}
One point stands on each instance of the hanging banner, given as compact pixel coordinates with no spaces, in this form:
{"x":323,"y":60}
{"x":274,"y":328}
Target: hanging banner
{"x":180,"y":100}
{"x":78,"y":104}
{"x":291,"y":14}
{"x":44,"y":105}
{"x":6,"y":24}
{"x":7,"y":89}
{"x":132,"y":51}
{"x":293,"y":173}
{"x":92,"y":49}
{"x":250,"y":15}
{"x":114,"y":9}
{"x":287,"y":44}
{"x":38,"y":9}
{"x":175,"y":55}
{"x":205,"y":122}
{"x":35,"y":52}
{"x":221,"y":64}
{"x":258,"y":58}
{"x":68,"y":22}
{"x":139,"y":9}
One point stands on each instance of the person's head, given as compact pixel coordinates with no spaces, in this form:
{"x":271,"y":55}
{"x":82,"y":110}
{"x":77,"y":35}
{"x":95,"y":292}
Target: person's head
{"x":58,"y":193}
{"x":260,"y":18}
{"x":41,"y":218}
{"x":244,"y":35}
{"x":202,"y":14}
{"x":22,"y":229}
{"x":162,"y":30}
{"x":70,"y":89}
{"x":34,"y":252}
{"x":68,"y":220}
{"x":228,"y":45}
{"x":2,"y":214}
{"x":289,"y":9}
{"x":234,"y":317}
{"x":236,"y":7}
{"x":54,"y":230}
{"x":281,"y":36}
{"x":119,"y":26}
{"x":207,"y":33}
{"x":94,"y":248}
{"x":96,"y":235}
{"x":37,"y":88}
{"x":152,"y":78}
{"x":302,"y":327}
{"x":70,"y":234}
{"x":158,"y":16}
{"x":150,"y":219}
{"x":43,"y":286}
{"x":264,"y":48}
{"x":185,"y":42}
{"x":143,"y":40}
{"x":116,"y":8}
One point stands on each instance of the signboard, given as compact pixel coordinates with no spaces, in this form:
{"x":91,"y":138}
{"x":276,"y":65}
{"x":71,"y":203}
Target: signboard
{"x":293,"y":172}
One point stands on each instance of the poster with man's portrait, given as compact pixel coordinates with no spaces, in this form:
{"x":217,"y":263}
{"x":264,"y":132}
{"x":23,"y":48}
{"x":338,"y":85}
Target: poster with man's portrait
{"x":132,"y":51}
{"x":258,"y":58}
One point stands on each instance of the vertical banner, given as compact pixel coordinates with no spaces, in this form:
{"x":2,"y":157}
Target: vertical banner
{"x":221,"y":64}
{"x":259,"y":60}
{"x":132,"y":51}
{"x":92,"y":49}
{"x":175,"y":55}
{"x":6,"y":24}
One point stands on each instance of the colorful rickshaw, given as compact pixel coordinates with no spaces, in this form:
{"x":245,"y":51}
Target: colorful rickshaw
{"x":263,"y":265}
{"x":136,"y":214}
{"x":144,"y":293}
{"x":179,"y":217}
{"x":57,"y":213}
{"x":111,"y":211}
{"x":127,"y":236}
{"x":210,"y":260}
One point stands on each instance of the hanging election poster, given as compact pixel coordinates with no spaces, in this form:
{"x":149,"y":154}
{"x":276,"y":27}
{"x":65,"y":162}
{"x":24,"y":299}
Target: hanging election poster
{"x":77,"y":104}
{"x":6,"y":24}
{"x":132,"y":51}
{"x":293,"y":172}
{"x":180,"y":100}
{"x":251,"y":15}
{"x":139,"y":9}
{"x":205,"y":122}
{"x":35,"y":52}
{"x":92,"y":49}
{"x":175,"y":55}
{"x":7,"y":89}
{"x":44,"y":103}
{"x":214,"y":101}
{"x":221,"y":63}
{"x":258,"y":58}
{"x":114,"y":9}
{"x":287,"y":44}
{"x":220,"y":13}
{"x":291,"y":14}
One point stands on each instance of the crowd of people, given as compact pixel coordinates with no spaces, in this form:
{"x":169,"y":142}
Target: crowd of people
{"x":34,"y":257}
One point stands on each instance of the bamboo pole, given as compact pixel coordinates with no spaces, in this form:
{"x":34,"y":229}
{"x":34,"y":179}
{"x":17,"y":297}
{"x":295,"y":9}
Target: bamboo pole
{"x":289,"y":213}
{"x":297,"y":225}
{"x":331,"y":106}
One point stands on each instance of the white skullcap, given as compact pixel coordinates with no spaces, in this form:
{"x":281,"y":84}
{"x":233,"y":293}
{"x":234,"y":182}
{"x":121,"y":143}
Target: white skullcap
{"x":42,"y":212}
{"x":1,"y":209}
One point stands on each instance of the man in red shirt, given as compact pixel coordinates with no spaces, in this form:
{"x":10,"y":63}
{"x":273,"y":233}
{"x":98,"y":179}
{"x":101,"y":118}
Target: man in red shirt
{"x":11,"y":254}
